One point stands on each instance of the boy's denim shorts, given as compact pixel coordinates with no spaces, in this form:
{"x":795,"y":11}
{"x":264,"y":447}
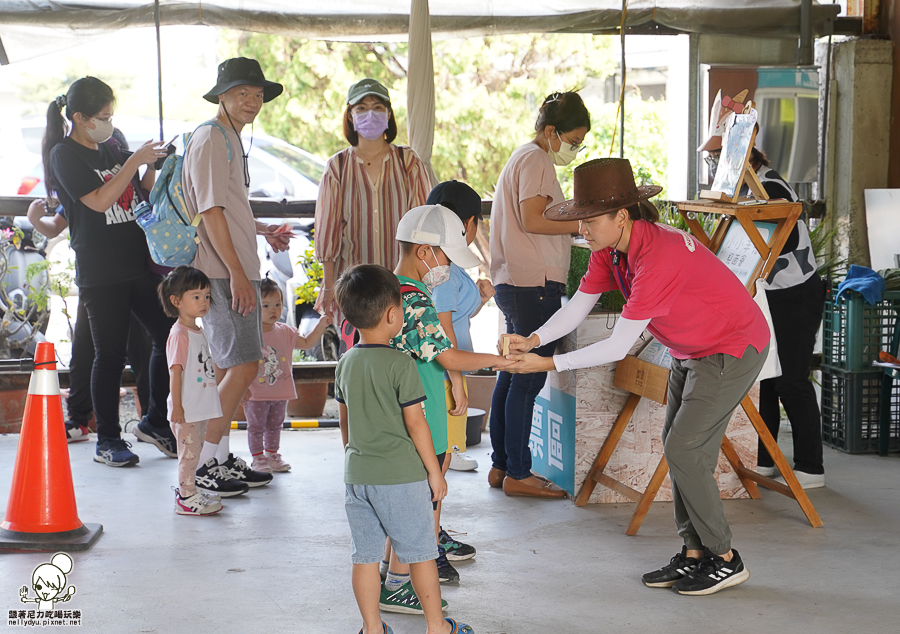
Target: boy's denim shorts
{"x":400,"y":511}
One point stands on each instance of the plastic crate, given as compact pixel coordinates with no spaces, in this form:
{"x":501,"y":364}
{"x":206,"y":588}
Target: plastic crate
{"x":851,"y":405}
{"x":854,"y":331}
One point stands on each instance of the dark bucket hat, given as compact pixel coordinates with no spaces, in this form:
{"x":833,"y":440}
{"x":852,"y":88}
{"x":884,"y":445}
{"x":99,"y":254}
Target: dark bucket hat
{"x":241,"y":71}
{"x":602,"y":186}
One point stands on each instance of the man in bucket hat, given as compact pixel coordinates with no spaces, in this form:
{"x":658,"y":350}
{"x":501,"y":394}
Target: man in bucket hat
{"x":216,"y":185}
{"x":692,"y":303}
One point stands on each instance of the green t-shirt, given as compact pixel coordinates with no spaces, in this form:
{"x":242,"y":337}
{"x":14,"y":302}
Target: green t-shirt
{"x":423,"y":338}
{"x":375,"y":382}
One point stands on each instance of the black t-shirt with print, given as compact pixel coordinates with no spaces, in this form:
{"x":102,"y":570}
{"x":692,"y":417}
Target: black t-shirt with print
{"x":109,"y":247}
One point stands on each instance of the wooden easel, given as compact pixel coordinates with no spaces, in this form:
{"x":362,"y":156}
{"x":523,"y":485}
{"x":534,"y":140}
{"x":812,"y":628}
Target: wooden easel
{"x":643,"y":379}
{"x":748,"y":175}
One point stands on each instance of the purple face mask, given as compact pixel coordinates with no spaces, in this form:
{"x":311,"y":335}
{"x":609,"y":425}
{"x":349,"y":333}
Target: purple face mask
{"x":370,"y":124}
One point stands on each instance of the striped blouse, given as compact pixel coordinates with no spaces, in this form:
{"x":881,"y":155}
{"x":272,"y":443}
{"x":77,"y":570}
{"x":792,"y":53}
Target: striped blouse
{"x":356,"y":219}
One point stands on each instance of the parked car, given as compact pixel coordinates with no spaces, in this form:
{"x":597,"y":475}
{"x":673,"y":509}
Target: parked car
{"x":278,"y":170}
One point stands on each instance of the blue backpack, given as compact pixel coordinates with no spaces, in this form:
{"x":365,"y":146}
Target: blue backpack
{"x":171,"y":233}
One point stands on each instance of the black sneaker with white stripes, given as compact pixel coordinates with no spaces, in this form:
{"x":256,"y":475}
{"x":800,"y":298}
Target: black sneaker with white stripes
{"x":214,"y":478}
{"x":240,"y":471}
{"x":713,"y":574}
{"x":678,"y":567}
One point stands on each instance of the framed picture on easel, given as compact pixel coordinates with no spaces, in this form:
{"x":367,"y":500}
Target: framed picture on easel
{"x":734,"y":162}
{"x":738,"y":252}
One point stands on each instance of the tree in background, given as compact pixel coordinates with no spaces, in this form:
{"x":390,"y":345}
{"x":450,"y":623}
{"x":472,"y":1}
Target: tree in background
{"x":488,"y":91}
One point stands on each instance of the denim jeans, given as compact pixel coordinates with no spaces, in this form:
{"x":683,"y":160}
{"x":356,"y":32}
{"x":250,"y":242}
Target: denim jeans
{"x":526,"y":309}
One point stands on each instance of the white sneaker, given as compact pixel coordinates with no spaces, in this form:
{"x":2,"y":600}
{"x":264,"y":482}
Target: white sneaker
{"x":261,"y":463}
{"x":767,"y":471}
{"x":462,"y":462}
{"x":807,"y":480}
{"x":197,"y":504}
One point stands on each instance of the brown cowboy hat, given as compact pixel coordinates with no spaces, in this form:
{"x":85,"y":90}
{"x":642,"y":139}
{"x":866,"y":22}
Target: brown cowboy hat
{"x":601,"y":186}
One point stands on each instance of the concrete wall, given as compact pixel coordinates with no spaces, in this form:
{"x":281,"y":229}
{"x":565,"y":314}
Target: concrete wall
{"x":891,"y":16}
{"x":858,"y":157}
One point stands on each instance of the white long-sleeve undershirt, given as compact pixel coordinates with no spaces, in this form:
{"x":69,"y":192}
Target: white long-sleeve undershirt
{"x":624,"y":335}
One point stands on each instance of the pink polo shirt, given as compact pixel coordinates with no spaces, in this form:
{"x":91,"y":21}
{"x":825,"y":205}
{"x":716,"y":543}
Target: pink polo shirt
{"x":695,"y":304}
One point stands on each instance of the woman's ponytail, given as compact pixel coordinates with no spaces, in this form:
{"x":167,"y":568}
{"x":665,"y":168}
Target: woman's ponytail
{"x":644,"y":210}
{"x":565,"y":111}
{"x":88,"y":96}
{"x":56,"y":131}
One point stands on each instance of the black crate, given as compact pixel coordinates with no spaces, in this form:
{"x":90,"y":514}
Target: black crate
{"x":854,"y":331}
{"x":851,"y":405}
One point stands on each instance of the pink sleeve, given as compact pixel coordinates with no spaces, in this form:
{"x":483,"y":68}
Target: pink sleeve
{"x":599,"y":277}
{"x":177,"y":347}
{"x":537,"y":177}
{"x":329,"y":225}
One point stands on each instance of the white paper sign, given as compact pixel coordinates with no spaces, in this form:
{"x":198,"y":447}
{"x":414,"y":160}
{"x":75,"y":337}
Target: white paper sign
{"x":883,"y":223}
{"x":738,"y":252}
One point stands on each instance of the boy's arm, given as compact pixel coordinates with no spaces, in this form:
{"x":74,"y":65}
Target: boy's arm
{"x":312,"y":338}
{"x":414,"y":418}
{"x":342,"y":419}
{"x":175,"y":373}
{"x":464,"y":361}
{"x":457,"y":387}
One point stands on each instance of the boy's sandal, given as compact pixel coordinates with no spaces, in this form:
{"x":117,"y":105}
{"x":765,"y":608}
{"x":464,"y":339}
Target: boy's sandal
{"x":459,"y":628}
{"x":386,"y":629}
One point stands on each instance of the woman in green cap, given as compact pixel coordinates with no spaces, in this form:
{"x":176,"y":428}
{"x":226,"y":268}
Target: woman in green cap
{"x":366,"y":189}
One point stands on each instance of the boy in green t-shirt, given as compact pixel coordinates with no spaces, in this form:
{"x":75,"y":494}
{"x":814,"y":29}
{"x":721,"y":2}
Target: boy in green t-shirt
{"x":390,"y":470}
{"x":430,"y":237}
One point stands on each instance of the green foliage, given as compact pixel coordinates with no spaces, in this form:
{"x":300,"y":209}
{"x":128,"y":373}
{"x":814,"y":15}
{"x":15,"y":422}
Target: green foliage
{"x":610,"y":300}
{"x":488,"y":91}
{"x":308,"y":293}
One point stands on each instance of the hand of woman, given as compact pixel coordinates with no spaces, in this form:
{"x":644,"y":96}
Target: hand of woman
{"x":519,"y":344}
{"x":149,"y":152}
{"x":325,"y":302}
{"x":486,"y":289}
{"x":278,"y":236}
{"x":529,"y":363}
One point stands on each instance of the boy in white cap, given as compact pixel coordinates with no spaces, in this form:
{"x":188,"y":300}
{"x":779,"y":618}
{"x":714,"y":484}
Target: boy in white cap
{"x":430,"y":237}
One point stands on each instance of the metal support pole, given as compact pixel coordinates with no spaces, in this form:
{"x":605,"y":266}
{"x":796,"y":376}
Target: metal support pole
{"x":622,"y":105}
{"x":805,"y":52}
{"x":158,"y":67}
{"x":694,"y":116}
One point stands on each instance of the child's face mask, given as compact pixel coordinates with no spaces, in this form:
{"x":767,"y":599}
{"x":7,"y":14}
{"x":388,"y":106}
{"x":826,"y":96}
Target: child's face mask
{"x":437,"y":275}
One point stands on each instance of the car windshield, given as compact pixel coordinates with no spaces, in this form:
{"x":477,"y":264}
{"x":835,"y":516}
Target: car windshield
{"x":301,"y":163}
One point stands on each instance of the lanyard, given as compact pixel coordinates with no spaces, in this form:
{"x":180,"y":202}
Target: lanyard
{"x":625,"y":292}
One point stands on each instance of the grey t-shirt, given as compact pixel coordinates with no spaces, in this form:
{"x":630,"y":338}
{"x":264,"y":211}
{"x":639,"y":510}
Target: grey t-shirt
{"x":211,"y":180}
{"x":375,"y":383}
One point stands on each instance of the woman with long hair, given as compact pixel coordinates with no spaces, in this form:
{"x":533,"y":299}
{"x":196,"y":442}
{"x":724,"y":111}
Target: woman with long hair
{"x":97,"y":183}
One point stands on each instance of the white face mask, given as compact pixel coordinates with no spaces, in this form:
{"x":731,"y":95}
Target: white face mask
{"x":437,"y":275}
{"x":101,"y":132}
{"x":566,"y":153}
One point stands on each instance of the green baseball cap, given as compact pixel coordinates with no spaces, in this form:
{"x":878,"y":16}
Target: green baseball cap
{"x":364,"y":88}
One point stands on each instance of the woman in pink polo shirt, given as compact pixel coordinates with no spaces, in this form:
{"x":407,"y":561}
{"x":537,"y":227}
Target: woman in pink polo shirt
{"x":691,"y":302}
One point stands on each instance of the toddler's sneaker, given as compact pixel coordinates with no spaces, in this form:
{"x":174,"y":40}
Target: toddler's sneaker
{"x":455,"y":550}
{"x":278,"y":465}
{"x":403,"y":600}
{"x":115,"y":452}
{"x":214,"y":479}
{"x":261,"y":463}
{"x":197,"y":504}
{"x":462,"y":462}
{"x":240,"y":471}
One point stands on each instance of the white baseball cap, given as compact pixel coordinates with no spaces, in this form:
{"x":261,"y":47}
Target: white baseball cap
{"x":437,"y":226}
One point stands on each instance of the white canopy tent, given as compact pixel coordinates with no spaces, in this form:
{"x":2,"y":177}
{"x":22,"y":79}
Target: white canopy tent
{"x":29,"y":28}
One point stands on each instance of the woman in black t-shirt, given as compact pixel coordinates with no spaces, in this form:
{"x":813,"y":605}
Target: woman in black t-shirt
{"x":98,"y":186}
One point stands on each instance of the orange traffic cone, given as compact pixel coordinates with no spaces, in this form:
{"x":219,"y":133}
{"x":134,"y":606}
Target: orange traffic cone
{"x":41,"y":513}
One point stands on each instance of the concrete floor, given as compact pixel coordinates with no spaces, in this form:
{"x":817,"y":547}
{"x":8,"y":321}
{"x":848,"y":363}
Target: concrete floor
{"x":277,"y":560}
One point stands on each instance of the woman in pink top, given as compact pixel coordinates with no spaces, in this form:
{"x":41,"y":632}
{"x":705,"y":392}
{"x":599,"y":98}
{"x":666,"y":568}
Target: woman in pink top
{"x":689,"y":300}
{"x":366,"y":189}
{"x":529,"y":265}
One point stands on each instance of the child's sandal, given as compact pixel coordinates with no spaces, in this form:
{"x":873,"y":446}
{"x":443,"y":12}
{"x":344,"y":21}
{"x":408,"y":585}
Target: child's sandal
{"x":385,"y":629}
{"x":459,"y":628}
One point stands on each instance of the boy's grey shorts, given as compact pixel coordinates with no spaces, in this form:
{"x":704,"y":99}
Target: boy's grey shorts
{"x":233,"y":338}
{"x":400,"y":511}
